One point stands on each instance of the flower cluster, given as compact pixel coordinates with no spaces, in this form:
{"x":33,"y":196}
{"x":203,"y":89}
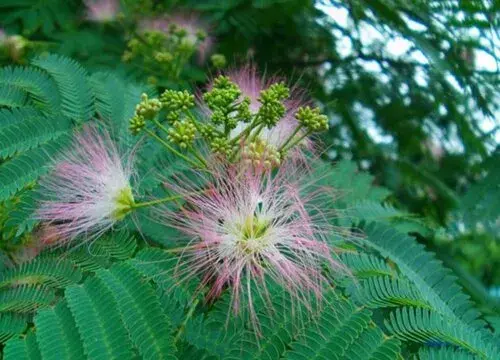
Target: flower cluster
{"x":241,"y":117}
{"x":251,"y":213}
{"x":165,"y":44}
{"x":192,"y":32}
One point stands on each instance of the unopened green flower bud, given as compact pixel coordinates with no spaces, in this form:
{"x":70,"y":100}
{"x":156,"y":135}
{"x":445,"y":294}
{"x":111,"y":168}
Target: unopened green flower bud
{"x":221,"y":97}
{"x":207,"y":131}
{"x":182,"y":133}
{"x":201,"y":35}
{"x":127,"y":56}
{"x":163,"y":57}
{"x":272,"y":108}
{"x":154,"y":37}
{"x":148,"y":108}
{"x":136,"y":124}
{"x":260,"y":154}
{"x":222,"y":82}
{"x":181,"y":32}
{"x":173,"y":116}
{"x":279,"y":91}
{"x":244,"y":113}
{"x":133,"y":44}
{"x":221,"y":146}
{"x":218,"y":61}
{"x":177,"y":100}
{"x":312,"y":119}
{"x":186,"y":46}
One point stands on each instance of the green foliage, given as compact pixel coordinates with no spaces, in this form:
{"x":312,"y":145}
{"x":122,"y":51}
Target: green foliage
{"x":11,"y":324}
{"x":340,"y":332}
{"x":423,"y":325}
{"x":33,"y":15}
{"x":10,"y":96}
{"x":122,"y":296}
{"x":25,"y":298}
{"x":49,"y":271}
{"x":365,"y":265}
{"x":135,"y":302}
{"x":57,"y":334}
{"x":384,"y":292}
{"x":149,"y":328}
{"x":97,"y":317}
{"x":24,"y":348}
{"x":22,"y":170}
{"x":443,"y":354}
{"x":77,"y":100}
{"x":436,"y":284}
{"x":30,"y":133}
{"x":36,"y":84}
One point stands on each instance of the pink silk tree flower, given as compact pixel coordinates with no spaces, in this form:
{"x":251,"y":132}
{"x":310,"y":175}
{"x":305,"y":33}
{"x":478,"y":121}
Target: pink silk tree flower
{"x":197,"y":31}
{"x":102,"y":10}
{"x":88,"y":190}
{"x":248,"y":227}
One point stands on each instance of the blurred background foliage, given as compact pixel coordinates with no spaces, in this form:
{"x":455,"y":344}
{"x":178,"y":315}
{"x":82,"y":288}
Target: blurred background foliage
{"x":411,"y":88}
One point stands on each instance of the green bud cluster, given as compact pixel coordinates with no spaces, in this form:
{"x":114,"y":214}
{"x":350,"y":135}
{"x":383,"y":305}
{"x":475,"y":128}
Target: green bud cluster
{"x":221,"y":99}
{"x":186,"y":46}
{"x":163,"y":57}
{"x":177,"y":100}
{"x":207,"y":131}
{"x":137,"y":48}
{"x":243,"y":110}
{"x":260,"y":154}
{"x":136,"y":124}
{"x":218,"y":61}
{"x":223,"y":94}
{"x":312,"y":119}
{"x":228,"y":110}
{"x":176,"y":103}
{"x":201,"y":35}
{"x":165,"y":52}
{"x":182,"y":133}
{"x":148,"y":108}
{"x":272,"y":108}
{"x":220,"y":145}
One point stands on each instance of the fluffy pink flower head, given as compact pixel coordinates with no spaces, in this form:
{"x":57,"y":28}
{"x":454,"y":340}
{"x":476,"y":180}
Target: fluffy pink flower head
{"x":196,"y":30}
{"x":102,"y":10}
{"x":89,"y":189}
{"x":249,"y":228}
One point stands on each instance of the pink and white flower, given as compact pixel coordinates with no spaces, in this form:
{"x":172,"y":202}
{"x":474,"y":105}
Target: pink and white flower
{"x":248,"y":227}
{"x":102,"y":10}
{"x":89,"y":189}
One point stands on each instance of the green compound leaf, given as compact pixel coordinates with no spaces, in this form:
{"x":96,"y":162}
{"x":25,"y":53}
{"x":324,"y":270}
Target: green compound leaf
{"x":98,"y":321}
{"x":22,"y":349}
{"x":57,"y":334}
{"x":73,"y":84}
{"x":149,"y":328}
